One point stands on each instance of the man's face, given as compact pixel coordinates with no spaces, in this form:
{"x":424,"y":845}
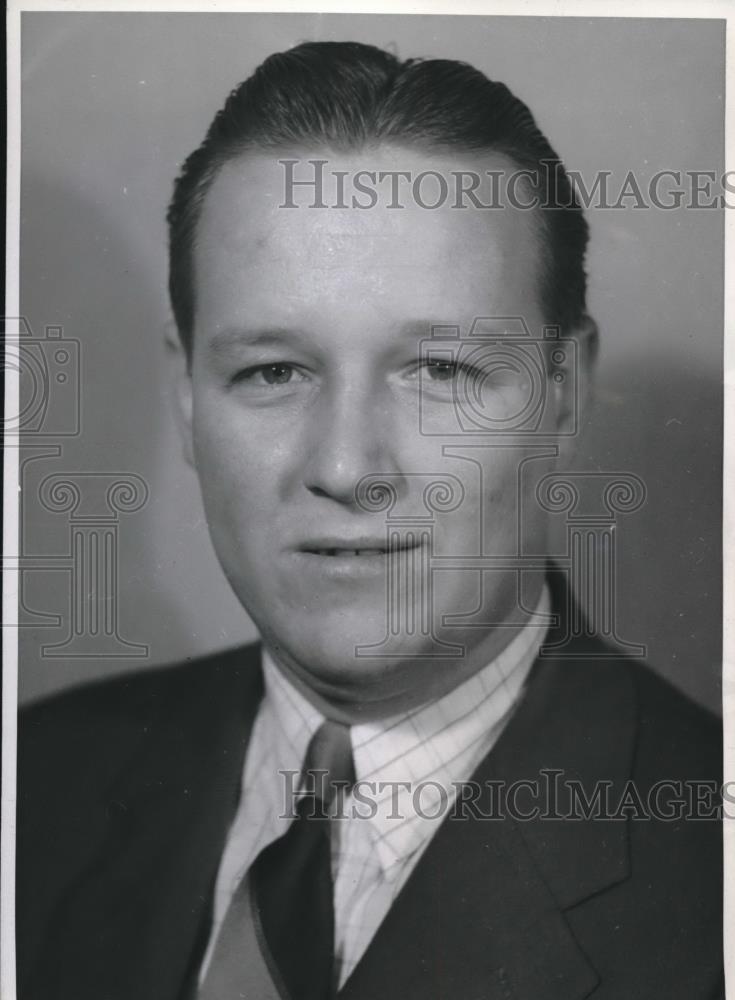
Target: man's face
{"x":307,"y":376}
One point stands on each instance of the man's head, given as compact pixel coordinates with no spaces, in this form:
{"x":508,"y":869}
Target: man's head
{"x":346,"y":96}
{"x":304,"y":332}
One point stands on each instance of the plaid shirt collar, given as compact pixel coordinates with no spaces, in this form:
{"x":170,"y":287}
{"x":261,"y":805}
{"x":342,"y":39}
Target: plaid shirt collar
{"x":408,"y":765}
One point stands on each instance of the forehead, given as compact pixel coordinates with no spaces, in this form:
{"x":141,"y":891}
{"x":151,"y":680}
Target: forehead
{"x":263,"y":248}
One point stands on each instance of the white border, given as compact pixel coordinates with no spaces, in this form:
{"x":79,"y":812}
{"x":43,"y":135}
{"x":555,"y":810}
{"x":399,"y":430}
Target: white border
{"x":728,"y":536}
{"x":10,"y":524}
{"x":703,"y":9}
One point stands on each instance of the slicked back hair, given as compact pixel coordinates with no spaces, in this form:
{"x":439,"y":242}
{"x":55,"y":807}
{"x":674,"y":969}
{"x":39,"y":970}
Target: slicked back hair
{"x":344,"y":96}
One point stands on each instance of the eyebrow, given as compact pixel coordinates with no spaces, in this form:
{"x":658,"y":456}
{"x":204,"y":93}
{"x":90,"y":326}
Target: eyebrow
{"x":231,"y":338}
{"x":226,"y":340}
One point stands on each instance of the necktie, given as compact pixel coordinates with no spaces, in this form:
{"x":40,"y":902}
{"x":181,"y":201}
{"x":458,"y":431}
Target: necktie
{"x":290,"y":888}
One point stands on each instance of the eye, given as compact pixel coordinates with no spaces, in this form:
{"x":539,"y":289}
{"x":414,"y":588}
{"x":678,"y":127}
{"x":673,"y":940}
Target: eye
{"x":277,"y":374}
{"x":274,"y":374}
{"x":441,"y":371}
{"x":445,"y":371}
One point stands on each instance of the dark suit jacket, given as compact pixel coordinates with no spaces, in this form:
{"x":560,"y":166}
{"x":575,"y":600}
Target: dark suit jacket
{"x":126,"y":789}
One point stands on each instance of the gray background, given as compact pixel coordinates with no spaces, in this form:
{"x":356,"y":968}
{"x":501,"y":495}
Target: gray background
{"x":112,"y":103}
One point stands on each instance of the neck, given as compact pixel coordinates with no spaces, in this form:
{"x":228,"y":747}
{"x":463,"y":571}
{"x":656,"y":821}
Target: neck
{"x":401,"y":684}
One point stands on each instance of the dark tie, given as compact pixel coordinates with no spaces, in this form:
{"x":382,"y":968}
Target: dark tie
{"x":290,"y":888}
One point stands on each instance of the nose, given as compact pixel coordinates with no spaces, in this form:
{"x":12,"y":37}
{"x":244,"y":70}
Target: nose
{"x":348,"y":437}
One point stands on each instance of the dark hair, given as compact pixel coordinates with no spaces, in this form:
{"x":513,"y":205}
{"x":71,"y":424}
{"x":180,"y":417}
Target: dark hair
{"x":345,"y":95}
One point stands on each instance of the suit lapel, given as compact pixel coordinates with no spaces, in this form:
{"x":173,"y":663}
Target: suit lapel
{"x":136,"y":923}
{"x":482,"y":914}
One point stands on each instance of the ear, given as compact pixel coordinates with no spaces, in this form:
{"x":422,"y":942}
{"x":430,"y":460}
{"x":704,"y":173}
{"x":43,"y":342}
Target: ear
{"x":572,"y":380}
{"x":180,"y":375}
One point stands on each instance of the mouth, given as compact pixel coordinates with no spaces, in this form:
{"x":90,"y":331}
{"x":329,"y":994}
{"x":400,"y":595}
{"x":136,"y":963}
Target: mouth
{"x":333,"y":553}
{"x":348,"y":562}
{"x":359,"y":548}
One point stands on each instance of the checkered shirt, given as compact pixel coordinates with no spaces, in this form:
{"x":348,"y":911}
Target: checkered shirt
{"x":407,"y":769}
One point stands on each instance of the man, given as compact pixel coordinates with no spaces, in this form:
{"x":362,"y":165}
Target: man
{"x":377,"y":276}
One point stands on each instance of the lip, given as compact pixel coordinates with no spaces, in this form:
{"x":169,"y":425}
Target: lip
{"x":344,"y":563}
{"x":342,"y":547}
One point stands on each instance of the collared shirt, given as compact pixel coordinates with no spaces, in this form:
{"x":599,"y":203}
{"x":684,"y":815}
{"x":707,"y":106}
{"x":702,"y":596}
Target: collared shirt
{"x":407,"y":769}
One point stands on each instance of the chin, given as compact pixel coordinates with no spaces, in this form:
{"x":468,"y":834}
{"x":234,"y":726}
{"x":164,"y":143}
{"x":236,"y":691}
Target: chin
{"x":333,"y":648}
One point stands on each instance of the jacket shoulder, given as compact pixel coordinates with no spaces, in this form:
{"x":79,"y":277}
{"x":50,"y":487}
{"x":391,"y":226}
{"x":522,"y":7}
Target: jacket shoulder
{"x":658,"y":931}
{"x":674,"y":730}
{"x":99,"y":723}
{"x":73,"y":747}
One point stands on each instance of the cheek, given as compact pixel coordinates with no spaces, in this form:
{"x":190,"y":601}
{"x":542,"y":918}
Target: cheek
{"x":228,"y":478}
{"x":485,"y":520}
{"x":505,"y":503}
{"x":248,"y":489}
{"x":499,"y":493}
{"x":234,"y":450}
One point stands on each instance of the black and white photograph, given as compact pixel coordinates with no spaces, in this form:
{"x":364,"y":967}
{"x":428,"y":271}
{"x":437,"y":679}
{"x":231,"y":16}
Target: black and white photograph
{"x":364,"y":485}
